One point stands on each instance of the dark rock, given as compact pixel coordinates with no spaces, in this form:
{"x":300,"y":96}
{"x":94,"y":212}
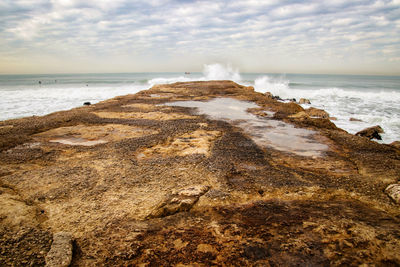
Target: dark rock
{"x":371,"y":132}
{"x":87,"y":104}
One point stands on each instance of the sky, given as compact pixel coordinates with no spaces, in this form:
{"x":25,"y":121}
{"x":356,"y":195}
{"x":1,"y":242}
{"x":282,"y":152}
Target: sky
{"x":270,"y":36}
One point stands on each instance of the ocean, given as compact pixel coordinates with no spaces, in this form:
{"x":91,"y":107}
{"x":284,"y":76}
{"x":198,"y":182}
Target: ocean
{"x":375,"y":100}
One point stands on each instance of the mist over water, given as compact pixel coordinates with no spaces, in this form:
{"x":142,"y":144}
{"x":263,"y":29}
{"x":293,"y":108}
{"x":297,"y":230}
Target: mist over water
{"x":373,"y":99}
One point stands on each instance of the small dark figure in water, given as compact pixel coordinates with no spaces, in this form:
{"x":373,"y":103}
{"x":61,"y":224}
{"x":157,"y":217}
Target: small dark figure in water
{"x":86,"y":104}
{"x":40,"y":82}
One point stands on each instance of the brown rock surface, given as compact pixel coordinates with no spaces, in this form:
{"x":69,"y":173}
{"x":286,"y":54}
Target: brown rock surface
{"x":395,"y":144}
{"x":319,"y":113}
{"x":304,"y":101}
{"x":173,"y":186}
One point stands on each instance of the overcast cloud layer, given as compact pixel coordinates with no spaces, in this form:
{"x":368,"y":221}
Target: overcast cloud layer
{"x":335,"y":36}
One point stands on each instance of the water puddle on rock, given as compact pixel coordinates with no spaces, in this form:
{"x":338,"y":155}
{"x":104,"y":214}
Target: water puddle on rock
{"x":264,"y":131}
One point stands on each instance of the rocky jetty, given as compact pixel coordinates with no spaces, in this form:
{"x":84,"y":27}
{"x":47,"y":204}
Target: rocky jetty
{"x":197,"y":173}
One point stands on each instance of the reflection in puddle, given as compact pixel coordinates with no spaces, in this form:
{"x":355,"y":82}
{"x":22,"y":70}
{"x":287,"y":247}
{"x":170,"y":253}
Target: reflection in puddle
{"x":265,"y":132}
{"x":74,"y":141}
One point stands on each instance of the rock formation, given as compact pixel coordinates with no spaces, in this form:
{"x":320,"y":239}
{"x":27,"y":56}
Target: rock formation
{"x":319,"y":113}
{"x":354,"y":119}
{"x":393,"y":191}
{"x":147,"y":179}
{"x":304,"y":101}
{"x":371,"y":132}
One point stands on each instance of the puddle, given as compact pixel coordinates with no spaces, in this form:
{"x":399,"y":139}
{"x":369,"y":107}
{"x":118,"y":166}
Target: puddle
{"x":74,"y":141}
{"x":85,"y":135}
{"x":264,"y":131}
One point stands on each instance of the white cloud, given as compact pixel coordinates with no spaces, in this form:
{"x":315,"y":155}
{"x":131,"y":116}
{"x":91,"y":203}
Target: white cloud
{"x":230,"y":28}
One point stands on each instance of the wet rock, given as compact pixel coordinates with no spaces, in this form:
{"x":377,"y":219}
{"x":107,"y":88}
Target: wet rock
{"x":371,"y":132}
{"x":333,"y":118}
{"x":316,"y":112}
{"x":87,"y":104}
{"x":60,"y":254}
{"x":179,"y":201}
{"x":354,"y":119}
{"x":393,"y":192}
{"x":304,"y":101}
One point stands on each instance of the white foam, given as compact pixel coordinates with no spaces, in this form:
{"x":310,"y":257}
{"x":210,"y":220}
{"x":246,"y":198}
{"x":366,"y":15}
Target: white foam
{"x":221,"y":72}
{"x":373,"y":107}
{"x":28,"y":101}
{"x":211,"y":72}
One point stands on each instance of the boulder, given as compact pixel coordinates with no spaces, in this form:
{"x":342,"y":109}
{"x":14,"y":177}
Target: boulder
{"x":269,"y":95}
{"x":179,"y":201}
{"x":316,"y":112}
{"x":393,"y":192}
{"x":354,"y":119}
{"x":333,"y":118}
{"x":60,"y":254}
{"x":87,"y":104}
{"x":371,"y":132}
{"x":304,"y":101}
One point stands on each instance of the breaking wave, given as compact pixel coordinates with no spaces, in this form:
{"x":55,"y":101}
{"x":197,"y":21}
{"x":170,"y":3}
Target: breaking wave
{"x":210,"y":72}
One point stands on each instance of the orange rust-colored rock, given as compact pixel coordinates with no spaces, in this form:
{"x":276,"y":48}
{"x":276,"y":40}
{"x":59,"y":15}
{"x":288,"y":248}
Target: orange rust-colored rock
{"x":268,"y":184}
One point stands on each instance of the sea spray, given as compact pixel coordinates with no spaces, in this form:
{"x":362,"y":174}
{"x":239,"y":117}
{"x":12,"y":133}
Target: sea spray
{"x":221,"y":72}
{"x":210,"y":72}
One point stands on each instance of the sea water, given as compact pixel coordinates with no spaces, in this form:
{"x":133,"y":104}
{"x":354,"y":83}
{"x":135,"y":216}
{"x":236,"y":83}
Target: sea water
{"x":375,"y":100}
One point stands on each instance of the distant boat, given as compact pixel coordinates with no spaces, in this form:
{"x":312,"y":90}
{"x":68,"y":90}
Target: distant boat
{"x":187,"y":72}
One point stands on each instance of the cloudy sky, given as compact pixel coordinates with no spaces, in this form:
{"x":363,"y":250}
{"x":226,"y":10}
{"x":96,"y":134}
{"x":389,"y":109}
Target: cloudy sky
{"x":285,"y":36}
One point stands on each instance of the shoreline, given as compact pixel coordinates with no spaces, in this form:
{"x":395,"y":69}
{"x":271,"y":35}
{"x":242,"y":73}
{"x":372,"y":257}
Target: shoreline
{"x":146,"y":179}
{"x":333,"y":119}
